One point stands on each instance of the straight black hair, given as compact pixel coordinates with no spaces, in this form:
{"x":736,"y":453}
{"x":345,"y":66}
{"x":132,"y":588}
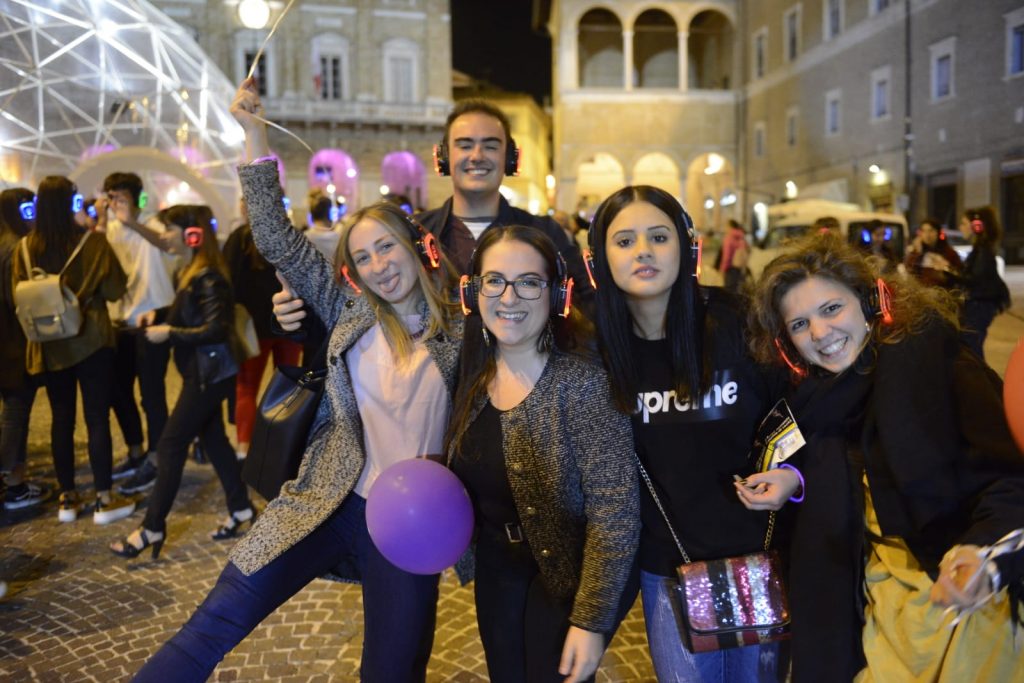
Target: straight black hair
{"x":56,"y":233}
{"x":684,"y":316}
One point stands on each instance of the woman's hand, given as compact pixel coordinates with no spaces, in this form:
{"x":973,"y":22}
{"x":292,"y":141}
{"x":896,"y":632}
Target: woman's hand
{"x":157,"y":334}
{"x":581,"y":654}
{"x":768,"y":490}
{"x":248,"y":111}
{"x":962,"y":581}
{"x":288,"y":309}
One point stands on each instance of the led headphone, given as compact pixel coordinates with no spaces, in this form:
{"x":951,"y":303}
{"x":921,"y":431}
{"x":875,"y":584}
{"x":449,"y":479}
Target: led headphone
{"x":337,"y":211}
{"x":194,"y":237}
{"x":91,"y":211}
{"x":287,"y":203}
{"x":561,"y":292}
{"x":443,"y":166}
{"x":696,"y":248}
{"x":77,"y":202}
{"x":28,"y":209}
{"x":143,"y":199}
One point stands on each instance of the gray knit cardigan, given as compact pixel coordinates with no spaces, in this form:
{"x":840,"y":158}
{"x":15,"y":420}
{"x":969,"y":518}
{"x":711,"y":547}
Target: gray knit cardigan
{"x":569,"y":461}
{"x":335,"y":455}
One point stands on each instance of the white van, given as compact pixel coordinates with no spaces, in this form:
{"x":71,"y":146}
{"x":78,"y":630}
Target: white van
{"x":795,"y":219}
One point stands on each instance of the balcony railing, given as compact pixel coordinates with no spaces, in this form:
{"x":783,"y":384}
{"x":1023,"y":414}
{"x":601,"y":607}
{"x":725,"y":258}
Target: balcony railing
{"x":304,"y":110}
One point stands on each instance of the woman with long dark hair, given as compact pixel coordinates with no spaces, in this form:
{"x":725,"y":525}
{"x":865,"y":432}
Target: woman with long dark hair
{"x":676,"y":358}
{"x":986,"y":295}
{"x":17,"y":387}
{"x":85,"y":360}
{"x":914,"y":484}
{"x":206,"y":352}
{"x":548,"y":463}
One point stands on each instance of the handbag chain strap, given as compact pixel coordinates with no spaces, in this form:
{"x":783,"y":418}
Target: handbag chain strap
{"x":671,"y":529}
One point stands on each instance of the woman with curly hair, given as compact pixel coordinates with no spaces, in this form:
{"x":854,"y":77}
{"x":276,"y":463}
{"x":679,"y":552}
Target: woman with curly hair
{"x":911,"y":476}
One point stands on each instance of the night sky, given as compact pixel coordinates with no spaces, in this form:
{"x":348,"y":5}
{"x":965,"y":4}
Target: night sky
{"x":494,"y":41}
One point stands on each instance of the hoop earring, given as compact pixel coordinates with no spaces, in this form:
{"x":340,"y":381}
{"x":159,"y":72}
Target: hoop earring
{"x":487,"y":337}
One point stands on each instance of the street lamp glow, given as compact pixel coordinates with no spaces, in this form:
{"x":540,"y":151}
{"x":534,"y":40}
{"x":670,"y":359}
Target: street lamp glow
{"x":384,"y":189}
{"x":715,"y":164}
{"x":254,"y":14}
{"x":351,"y":173}
{"x":791,"y":190}
{"x":331,"y":189}
{"x":549,"y":181}
{"x":709,"y":203}
{"x":874,"y":168}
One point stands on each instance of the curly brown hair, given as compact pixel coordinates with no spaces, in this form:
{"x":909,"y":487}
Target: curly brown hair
{"x":828,"y":255}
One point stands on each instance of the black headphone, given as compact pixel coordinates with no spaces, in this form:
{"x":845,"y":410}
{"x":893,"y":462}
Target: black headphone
{"x":696,"y":248}
{"x":443,"y":166}
{"x":561,"y":292}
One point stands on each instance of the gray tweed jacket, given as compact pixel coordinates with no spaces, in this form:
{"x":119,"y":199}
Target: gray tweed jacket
{"x":335,"y":453}
{"x":569,"y":460}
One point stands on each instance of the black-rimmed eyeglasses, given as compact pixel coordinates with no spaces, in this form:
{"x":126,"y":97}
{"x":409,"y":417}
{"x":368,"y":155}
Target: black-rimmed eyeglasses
{"x":529,"y":288}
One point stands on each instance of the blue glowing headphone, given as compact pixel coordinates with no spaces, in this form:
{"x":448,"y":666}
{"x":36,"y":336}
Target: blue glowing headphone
{"x":77,"y":202}
{"x":28,"y":209}
{"x":91,"y":211}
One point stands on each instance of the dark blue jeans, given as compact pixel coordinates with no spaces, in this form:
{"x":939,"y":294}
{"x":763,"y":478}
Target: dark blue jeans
{"x":399,"y":608}
{"x":977,"y":318}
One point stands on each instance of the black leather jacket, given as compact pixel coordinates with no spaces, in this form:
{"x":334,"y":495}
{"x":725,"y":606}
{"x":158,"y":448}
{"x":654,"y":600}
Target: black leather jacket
{"x":202,"y":320}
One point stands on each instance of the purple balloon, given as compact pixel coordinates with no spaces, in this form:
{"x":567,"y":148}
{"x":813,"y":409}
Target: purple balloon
{"x":419,"y":516}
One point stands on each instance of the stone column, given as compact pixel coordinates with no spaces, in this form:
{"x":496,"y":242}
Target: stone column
{"x":627,"y":58}
{"x":684,"y":61}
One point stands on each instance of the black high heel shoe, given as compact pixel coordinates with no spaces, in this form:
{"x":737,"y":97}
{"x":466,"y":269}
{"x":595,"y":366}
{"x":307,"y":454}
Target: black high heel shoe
{"x":231,"y":527}
{"x":129,"y":550}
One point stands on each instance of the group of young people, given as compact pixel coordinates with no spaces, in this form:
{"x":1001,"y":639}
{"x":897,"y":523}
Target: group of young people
{"x":458,"y":337}
{"x":909,"y":478}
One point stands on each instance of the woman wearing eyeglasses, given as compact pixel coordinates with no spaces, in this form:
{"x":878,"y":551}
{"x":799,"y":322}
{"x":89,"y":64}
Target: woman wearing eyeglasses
{"x":548,"y":463}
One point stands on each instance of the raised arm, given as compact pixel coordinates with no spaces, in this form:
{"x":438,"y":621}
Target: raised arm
{"x":294,"y":256}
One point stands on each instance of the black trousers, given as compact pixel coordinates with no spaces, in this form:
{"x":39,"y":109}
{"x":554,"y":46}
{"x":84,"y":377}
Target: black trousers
{"x":93,"y":375}
{"x":522,"y":625}
{"x":198,"y":412}
{"x":137,"y":358}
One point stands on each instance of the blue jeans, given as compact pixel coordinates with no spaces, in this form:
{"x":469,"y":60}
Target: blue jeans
{"x":674,"y":663}
{"x":399,"y":608}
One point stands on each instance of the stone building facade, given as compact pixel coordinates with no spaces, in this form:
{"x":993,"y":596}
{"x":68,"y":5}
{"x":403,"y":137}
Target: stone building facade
{"x":784,"y":98}
{"x":365,"y":83}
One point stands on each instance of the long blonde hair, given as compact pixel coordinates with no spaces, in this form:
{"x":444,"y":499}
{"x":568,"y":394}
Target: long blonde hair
{"x":435,"y":284}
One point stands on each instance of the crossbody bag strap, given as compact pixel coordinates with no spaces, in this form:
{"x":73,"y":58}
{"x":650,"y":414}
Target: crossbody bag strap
{"x":81,"y":243}
{"x":671,"y":529}
{"x":657,"y":501}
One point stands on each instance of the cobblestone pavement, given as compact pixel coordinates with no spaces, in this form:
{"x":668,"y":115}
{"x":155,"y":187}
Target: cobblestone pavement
{"x":75,"y":612}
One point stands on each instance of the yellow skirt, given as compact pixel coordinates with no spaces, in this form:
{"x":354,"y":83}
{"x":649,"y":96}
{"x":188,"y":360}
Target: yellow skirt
{"x":907,"y":638}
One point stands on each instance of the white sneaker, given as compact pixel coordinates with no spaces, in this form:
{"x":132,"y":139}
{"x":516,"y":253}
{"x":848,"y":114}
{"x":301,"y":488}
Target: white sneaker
{"x":69,"y":507}
{"x":117,"y":508}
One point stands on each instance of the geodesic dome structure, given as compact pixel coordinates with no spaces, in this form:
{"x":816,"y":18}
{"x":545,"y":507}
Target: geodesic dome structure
{"x":80,"y":79}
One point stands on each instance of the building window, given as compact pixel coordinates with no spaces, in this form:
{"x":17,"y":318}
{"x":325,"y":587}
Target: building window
{"x":759,"y":130}
{"x":330,"y":67}
{"x":881,"y":93}
{"x":1015,"y":43}
{"x":401,"y":71}
{"x":833,"y":18}
{"x":760,"y":51}
{"x":246,"y":46}
{"x":943,"y":62}
{"x":791,"y":33}
{"x":792,"y":116}
{"x":261,"y":70}
{"x":876,"y":6}
{"x":833,"y":112}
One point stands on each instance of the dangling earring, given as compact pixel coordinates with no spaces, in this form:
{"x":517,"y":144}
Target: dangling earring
{"x":487,"y":337}
{"x":547,"y":340}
